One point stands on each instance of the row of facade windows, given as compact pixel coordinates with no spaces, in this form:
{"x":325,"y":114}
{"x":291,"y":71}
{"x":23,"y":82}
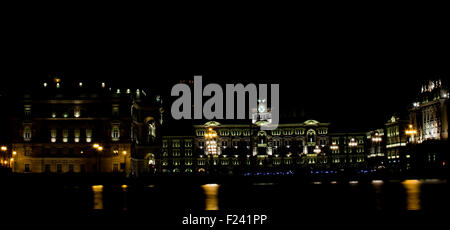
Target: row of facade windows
{"x":310,"y":160}
{"x":73,"y":133}
{"x":277,"y":132}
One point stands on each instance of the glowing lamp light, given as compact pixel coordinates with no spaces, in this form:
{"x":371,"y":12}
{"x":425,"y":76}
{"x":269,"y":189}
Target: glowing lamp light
{"x":100,"y":148}
{"x":353,"y":143}
{"x":317,"y":150}
{"x":334,"y":147}
{"x":124,"y":152}
{"x":96,"y":145}
{"x":411,"y":131}
{"x":4,"y":148}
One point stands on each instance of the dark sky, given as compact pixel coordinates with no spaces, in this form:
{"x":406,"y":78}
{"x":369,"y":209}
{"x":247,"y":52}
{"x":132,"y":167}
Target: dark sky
{"x":352,"y":70}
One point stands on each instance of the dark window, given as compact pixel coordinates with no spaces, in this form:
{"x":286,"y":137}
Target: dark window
{"x":47,"y":168}
{"x":27,"y":167}
{"x":59,"y":168}
{"x":71,"y":168}
{"x":82,"y":168}
{"x":116,"y":168}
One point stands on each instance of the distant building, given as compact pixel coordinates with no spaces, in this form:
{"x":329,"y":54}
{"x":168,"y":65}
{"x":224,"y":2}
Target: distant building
{"x":147,"y":120}
{"x":397,"y":154}
{"x":429,"y":124}
{"x":429,"y":114}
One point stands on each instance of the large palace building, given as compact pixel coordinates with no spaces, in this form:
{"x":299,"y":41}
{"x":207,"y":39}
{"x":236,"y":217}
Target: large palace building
{"x":78,"y":127}
{"x":243,"y":148}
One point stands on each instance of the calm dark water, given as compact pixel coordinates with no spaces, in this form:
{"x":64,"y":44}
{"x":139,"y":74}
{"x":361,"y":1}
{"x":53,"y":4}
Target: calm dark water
{"x":282,"y":202}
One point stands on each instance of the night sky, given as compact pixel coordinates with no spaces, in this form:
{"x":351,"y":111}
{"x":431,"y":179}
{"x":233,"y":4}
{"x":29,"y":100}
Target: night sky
{"x":354,"y":72}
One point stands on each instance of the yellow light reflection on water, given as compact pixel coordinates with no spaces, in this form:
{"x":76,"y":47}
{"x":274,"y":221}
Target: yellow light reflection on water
{"x":412,"y":194}
{"x":98,"y":196}
{"x":211,"y":192}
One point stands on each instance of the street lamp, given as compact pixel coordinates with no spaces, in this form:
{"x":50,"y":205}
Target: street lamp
{"x":317,"y":150}
{"x":334,"y":146}
{"x":353,"y":143}
{"x":4,"y":155}
{"x":124,"y":153}
{"x":411,"y":132}
{"x":99,"y":148}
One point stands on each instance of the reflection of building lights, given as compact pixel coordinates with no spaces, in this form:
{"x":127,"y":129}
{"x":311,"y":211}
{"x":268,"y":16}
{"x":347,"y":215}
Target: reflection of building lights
{"x":412,"y":193}
{"x":211,"y":192}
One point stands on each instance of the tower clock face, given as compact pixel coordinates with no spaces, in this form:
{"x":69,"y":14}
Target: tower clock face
{"x":261,"y":108}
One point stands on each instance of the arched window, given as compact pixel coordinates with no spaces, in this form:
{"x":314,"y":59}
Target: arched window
{"x":311,"y":134}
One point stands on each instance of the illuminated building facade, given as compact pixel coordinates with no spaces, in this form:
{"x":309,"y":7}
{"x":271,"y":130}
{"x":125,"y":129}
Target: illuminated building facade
{"x":243,"y":148}
{"x":429,"y":114}
{"x":146,"y":123}
{"x":72,"y":127}
{"x":376,"y":148}
{"x":429,"y":125}
{"x":398,"y":156}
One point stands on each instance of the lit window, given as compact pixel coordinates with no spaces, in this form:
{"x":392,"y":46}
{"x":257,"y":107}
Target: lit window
{"x":88,"y":135}
{"x":176,"y":144}
{"x":65,"y":135}
{"x":115,"y":110}
{"x":76,"y":133}
{"x":53,"y":135}
{"x":77,"y":112}
{"x":115,"y":133}
{"x":27,"y":134}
